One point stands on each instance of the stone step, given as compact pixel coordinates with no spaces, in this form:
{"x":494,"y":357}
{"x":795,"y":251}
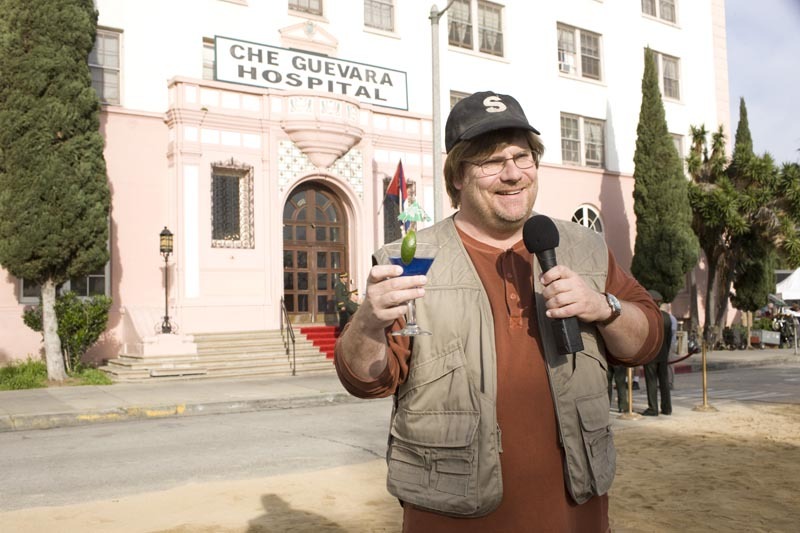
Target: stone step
{"x":225,"y":354}
{"x":129,"y":375}
{"x":213,"y":362}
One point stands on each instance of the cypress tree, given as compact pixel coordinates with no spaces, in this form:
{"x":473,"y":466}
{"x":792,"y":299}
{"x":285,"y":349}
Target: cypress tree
{"x":743,"y":140}
{"x":54,"y":196}
{"x":666,"y":248}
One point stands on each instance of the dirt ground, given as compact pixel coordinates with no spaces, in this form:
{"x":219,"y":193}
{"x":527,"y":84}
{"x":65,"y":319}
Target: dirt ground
{"x":737,"y":469}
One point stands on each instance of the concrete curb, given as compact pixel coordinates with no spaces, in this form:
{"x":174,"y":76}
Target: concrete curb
{"x":72,"y":419}
{"x":697,"y":366}
{"x":287,"y":399}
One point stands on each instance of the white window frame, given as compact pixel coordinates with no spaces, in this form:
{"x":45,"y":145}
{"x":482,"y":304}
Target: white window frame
{"x":472,"y":26}
{"x":105,"y":66}
{"x":485,"y":32}
{"x":380,"y":11}
{"x":571,"y":62}
{"x":664,"y":10}
{"x":589,"y":217}
{"x":309,"y":7}
{"x":583,"y":142}
{"x":663,"y":82}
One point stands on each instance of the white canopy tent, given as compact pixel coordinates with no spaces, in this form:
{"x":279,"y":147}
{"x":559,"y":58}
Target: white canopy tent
{"x":789,"y":289}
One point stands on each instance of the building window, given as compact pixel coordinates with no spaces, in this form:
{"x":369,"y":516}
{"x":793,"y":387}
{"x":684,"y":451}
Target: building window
{"x":95,"y":284}
{"x":312,"y":7}
{"x":587,"y":63}
{"x":460,"y":24}
{"x":669,"y":70}
{"x":456,"y":97}
{"x":379,"y":14}
{"x":677,"y":140}
{"x":208,"y":59}
{"x":582,"y":141}
{"x":663,"y":9}
{"x":490,"y":26}
{"x":588,"y":217}
{"x":104,"y":63}
{"x":231,"y":205}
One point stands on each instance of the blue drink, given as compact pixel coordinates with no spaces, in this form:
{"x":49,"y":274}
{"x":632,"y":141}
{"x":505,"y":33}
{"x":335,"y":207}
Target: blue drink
{"x":418,"y":265}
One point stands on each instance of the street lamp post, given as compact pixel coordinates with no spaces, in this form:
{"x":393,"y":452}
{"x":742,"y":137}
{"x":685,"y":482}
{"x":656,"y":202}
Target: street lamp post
{"x":436,"y":113}
{"x":165,"y":245}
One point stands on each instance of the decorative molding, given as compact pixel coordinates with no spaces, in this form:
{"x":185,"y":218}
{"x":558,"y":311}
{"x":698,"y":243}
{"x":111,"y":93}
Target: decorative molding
{"x":309,"y":36}
{"x":294,"y":164}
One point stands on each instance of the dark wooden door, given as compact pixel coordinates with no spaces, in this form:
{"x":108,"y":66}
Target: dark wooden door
{"x":314,"y":251}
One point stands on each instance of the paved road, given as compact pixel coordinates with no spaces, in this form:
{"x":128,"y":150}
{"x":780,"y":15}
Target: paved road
{"x":68,"y":465}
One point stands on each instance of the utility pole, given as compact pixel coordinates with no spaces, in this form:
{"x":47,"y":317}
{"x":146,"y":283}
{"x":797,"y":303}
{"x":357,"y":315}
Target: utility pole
{"x":437,"y":113}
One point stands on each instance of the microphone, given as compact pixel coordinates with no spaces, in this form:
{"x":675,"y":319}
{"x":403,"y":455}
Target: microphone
{"x":540,"y":236}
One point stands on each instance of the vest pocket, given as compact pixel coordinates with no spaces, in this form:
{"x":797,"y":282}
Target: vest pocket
{"x":432,"y":456}
{"x":598,"y":441}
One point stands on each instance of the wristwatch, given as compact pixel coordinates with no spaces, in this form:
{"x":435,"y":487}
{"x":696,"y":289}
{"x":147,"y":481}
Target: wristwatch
{"x":616,"y":308}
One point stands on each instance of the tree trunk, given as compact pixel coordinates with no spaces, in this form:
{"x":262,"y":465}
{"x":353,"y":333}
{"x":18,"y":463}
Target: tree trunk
{"x":52,"y":342}
{"x":725,"y":278}
{"x":694,"y":312}
{"x":711,"y":304}
{"x":749,"y":319}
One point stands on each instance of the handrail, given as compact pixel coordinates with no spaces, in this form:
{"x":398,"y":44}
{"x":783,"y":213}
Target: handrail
{"x":286,"y":325}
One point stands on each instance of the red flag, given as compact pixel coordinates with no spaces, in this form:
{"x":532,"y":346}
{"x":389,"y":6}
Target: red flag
{"x":397,"y":187}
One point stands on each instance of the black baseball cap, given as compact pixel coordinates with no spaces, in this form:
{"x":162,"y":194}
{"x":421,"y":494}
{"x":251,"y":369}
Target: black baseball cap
{"x":483,"y":112}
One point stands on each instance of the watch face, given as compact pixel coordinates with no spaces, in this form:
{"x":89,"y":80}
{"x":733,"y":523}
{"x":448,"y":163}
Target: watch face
{"x":616,"y":308}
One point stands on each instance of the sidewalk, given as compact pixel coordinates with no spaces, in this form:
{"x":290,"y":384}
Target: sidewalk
{"x":73,"y":406}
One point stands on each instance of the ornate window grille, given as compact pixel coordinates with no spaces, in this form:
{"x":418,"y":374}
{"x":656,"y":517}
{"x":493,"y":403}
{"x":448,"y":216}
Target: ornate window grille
{"x":231,"y":205}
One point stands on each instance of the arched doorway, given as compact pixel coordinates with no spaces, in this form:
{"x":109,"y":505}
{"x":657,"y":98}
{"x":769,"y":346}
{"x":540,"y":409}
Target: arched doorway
{"x":314,"y":251}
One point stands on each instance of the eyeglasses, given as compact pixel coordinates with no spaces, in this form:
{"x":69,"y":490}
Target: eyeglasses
{"x":491,"y":167}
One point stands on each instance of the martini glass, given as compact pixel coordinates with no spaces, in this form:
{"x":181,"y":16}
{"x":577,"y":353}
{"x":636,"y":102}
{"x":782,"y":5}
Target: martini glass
{"x":423,"y":259}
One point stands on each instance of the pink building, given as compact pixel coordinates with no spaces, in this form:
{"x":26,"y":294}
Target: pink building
{"x":269,"y":161}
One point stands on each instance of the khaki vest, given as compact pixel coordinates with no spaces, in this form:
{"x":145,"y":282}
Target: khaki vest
{"x":445,"y":443}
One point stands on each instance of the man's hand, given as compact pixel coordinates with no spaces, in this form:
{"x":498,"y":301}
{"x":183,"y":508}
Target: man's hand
{"x":363,"y":344}
{"x":386,"y":295}
{"x":567,"y":294}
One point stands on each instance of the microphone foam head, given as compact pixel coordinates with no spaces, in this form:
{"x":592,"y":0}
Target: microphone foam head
{"x":539,"y":234}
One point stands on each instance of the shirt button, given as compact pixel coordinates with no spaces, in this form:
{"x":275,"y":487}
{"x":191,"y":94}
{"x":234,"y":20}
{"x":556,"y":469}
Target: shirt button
{"x":513,"y":296}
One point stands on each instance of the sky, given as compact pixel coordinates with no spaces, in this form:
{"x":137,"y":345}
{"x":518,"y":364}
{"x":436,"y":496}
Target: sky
{"x":764,"y":69}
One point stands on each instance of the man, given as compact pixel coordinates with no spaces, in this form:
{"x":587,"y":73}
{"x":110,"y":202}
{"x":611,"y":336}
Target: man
{"x":656,"y":372}
{"x":490,"y":422}
{"x":346,"y":305}
{"x":616,"y":377}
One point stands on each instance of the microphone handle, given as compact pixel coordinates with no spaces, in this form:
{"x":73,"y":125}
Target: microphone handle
{"x":566,"y":331}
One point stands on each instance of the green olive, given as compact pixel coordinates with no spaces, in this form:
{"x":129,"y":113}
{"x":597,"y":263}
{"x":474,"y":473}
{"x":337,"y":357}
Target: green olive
{"x":409,"y":247}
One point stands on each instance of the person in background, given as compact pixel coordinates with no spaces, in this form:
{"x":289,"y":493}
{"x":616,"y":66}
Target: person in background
{"x":617,"y":375}
{"x":492,"y":428}
{"x":656,"y":372}
{"x":346,"y":305}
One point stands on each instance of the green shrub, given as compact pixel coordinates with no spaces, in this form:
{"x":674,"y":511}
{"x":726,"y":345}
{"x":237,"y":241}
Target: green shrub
{"x":27,"y":374}
{"x":81,"y":321}
{"x":762,"y":323}
{"x":92,"y":376}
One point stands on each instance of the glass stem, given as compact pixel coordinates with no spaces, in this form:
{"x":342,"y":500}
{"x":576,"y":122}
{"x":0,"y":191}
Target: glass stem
{"x":411,"y":318}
